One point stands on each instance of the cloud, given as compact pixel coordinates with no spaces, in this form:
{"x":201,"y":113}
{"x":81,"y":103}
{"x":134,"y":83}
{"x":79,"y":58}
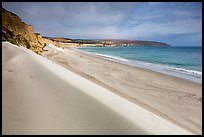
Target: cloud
{"x":149,"y":29}
{"x":126,"y":20}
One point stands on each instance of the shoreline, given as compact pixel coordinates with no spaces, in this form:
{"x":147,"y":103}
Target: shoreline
{"x":156,"y":96}
{"x":191,"y":75}
{"x":162,"y":94}
{"x":46,"y":98}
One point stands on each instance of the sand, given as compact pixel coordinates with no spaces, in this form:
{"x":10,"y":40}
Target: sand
{"x":175,"y":99}
{"x":41,"y":97}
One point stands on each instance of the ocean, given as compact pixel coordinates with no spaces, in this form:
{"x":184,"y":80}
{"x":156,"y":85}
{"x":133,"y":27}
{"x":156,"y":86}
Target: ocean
{"x":185,"y":62}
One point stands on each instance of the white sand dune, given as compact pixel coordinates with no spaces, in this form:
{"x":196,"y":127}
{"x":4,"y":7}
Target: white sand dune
{"x":40,"y":97}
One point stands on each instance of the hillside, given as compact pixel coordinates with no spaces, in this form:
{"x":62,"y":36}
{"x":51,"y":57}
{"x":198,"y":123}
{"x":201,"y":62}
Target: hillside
{"x":17,"y":32}
{"x":108,"y":42}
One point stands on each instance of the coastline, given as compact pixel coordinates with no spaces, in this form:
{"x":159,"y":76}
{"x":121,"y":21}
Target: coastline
{"x":192,"y":75}
{"x":56,"y":97}
{"x":162,"y":94}
{"x":102,"y":68}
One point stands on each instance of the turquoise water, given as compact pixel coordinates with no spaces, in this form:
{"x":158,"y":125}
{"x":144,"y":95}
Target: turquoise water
{"x":180,"y":57}
{"x":185,"y":60}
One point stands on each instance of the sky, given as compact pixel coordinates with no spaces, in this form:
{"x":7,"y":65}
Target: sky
{"x":175,"y":23}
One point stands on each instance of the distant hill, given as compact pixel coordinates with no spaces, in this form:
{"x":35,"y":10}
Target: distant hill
{"x":17,"y":32}
{"x":108,"y":42}
{"x":118,"y":42}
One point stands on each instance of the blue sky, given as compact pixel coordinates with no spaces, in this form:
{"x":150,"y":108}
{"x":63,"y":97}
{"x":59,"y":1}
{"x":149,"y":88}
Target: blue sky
{"x":175,"y":23}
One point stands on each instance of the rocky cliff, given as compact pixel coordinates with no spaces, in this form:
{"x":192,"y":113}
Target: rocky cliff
{"x":17,"y":32}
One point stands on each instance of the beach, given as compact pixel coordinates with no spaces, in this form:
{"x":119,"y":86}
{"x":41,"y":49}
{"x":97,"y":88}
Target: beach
{"x":69,"y":92}
{"x":176,"y":99}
